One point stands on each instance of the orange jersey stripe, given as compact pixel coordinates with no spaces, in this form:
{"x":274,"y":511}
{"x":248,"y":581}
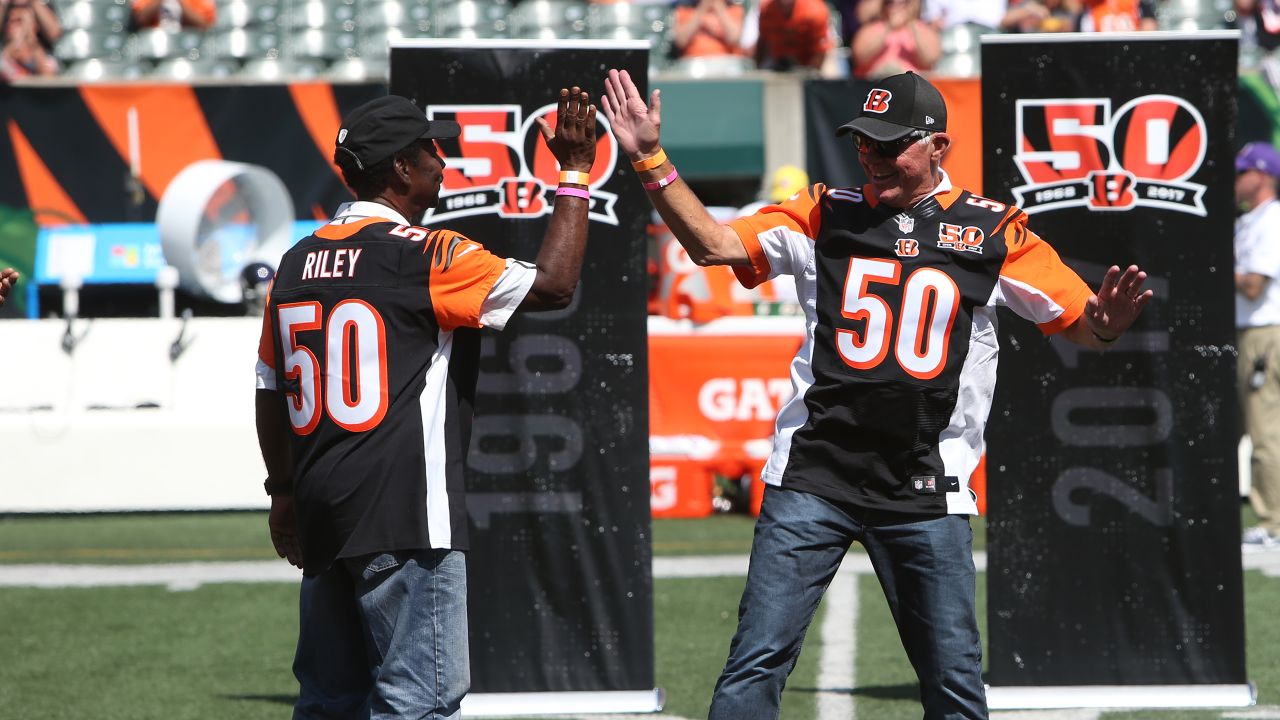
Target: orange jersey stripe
{"x":342,"y":231}
{"x":462,"y":275}
{"x":1033,"y":262}
{"x":801,"y":214}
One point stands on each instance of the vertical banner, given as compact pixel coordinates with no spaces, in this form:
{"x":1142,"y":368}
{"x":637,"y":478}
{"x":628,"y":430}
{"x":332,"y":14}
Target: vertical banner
{"x":558,"y":487}
{"x":1114,"y":530}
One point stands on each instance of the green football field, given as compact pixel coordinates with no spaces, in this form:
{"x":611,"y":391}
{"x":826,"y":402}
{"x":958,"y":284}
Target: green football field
{"x":222,"y":650}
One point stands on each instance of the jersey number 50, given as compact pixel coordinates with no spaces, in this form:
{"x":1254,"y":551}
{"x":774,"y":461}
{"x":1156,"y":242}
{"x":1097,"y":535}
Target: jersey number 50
{"x":353,"y":377}
{"x":930,"y":299}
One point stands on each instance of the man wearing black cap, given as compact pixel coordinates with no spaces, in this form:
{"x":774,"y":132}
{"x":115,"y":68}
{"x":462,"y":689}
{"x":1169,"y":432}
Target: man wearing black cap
{"x":899,"y":280}
{"x":366,"y":374}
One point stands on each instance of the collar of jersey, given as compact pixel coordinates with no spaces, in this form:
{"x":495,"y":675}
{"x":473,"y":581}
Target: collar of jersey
{"x":361,"y":209}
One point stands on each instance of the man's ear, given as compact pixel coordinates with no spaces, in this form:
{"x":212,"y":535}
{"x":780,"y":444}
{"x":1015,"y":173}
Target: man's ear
{"x":403,"y":166}
{"x":941,"y":144}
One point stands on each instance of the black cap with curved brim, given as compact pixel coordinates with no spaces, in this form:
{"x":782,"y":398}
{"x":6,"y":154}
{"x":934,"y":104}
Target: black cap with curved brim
{"x":897,"y":105}
{"x":381,"y":127}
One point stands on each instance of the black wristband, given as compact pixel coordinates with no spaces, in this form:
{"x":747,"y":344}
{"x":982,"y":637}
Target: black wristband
{"x":277,"y":487}
{"x":1102,"y":339}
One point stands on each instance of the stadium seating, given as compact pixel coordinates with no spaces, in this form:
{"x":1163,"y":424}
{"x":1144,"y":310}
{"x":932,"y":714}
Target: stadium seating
{"x":338,"y":39}
{"x":86,"y":44}
{"x":95,"y":15}
{"x":154,"y":44}
{"x":472,"y":19}
{"x":960,"y":51}
{"x":184,"y":69}
{"x":246,"y":13}
{"x":549,"y":19}
{"x":246,"y":43}
{"x":98,"y":70}
{"x":1192,"y":15}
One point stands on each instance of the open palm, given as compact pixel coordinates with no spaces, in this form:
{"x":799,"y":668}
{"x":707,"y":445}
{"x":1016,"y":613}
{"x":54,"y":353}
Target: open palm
{"x":635,"y":125}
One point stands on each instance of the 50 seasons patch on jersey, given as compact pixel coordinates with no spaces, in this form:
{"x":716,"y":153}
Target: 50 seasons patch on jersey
{"x":501,"y":166}
{"x":1077,"y":153}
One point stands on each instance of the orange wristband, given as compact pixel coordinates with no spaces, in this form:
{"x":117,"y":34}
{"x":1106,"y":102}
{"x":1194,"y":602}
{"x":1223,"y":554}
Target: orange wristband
{"x":575,"y":177}
{"x":650,"y":162}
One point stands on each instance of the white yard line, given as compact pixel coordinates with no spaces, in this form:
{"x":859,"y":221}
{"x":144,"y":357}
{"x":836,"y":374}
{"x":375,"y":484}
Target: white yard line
{"x":838,"y":660}
{"x":190,"y":575}
{"x":837,"y":665}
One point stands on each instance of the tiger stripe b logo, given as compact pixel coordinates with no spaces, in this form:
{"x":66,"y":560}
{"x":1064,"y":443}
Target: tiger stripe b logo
{"x":877,"y":101}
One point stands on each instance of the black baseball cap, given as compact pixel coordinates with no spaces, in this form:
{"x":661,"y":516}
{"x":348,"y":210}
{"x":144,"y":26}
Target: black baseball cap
{"x":381,"y":127}
{"x":897,"y":105}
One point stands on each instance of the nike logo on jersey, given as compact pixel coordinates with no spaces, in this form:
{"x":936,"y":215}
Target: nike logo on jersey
{"x":339,"y":263}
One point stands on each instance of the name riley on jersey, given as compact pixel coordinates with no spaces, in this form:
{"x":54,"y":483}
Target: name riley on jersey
{"x":331,"y":263}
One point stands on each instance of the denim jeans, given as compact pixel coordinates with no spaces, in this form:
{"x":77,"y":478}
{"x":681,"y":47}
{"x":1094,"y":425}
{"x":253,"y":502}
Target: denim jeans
{"x":925,"y":566}
{"x":384,"y":636}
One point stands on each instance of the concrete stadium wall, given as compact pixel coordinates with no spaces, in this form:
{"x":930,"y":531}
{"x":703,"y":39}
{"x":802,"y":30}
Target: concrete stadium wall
{"x":115,"y":424}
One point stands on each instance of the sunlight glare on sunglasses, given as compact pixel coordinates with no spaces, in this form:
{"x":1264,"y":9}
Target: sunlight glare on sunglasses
{"x":888,"y":148}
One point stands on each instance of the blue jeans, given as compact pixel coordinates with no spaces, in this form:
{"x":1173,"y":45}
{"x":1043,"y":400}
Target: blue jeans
{"x":925,"y":565}
{"x":384,"y":636}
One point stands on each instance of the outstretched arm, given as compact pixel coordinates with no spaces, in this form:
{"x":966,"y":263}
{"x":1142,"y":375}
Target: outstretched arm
{"x":1109,"y":313}
{"x":559,"y":261}
{"x":637,"y":127}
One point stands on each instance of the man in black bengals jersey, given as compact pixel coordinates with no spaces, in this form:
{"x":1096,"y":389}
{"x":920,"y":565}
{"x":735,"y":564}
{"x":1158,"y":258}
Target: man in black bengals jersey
{"x":367,"y":369}
{"x":899,"y":280}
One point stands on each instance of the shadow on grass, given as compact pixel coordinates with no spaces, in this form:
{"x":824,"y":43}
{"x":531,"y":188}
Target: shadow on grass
{"x":278,"y":699}
{"x":880,"y":692}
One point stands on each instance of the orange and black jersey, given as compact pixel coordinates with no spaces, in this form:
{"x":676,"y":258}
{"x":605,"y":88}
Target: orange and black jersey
{"x":894,"y":381}
{"x":371,"y":338}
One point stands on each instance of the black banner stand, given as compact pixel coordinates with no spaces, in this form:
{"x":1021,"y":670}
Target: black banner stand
{"x":1114,"y":566}
{"x":561,"y":596}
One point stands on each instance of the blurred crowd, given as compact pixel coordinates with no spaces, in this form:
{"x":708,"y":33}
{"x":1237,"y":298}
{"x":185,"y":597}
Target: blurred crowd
{"x":868,"y":39}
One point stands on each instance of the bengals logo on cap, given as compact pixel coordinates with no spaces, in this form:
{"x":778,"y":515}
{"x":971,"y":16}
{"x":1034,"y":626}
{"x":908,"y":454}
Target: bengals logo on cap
{"x":877,"y":101}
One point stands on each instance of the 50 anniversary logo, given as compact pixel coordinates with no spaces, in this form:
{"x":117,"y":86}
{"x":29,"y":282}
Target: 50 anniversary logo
{"x":1075,"y":153}
{"x":500,"y":165}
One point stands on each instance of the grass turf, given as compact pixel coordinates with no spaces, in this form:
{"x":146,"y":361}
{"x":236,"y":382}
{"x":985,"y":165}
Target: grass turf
{"x":223,"y":651}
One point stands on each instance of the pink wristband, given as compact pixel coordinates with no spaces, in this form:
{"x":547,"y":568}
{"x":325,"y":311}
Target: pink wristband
{"x":575,"y":192}
{"x":659,"y":184}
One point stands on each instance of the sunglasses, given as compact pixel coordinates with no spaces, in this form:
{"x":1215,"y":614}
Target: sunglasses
{"x":888,"y":148}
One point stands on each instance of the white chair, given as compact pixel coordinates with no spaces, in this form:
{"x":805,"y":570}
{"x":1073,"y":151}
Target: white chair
{"x":95,"y":15}
{"x":157,"y":44}
{"x":471,"y":19}
{"x":357,"y":69}
{"x":183,"y":69}
{"x":627,"y":20}
{"x":245,"y":43}
{"x":957,"y":64}
{"x":246,"y":13}
{"x":963,"y":38}
{"x":712,"y":66}
{"x":277,"y":69}
{"x":549,"y":19}
{"x":332,"y":15}
{"x":417,"y":14}
{"x":322,"y":44}
{"x":86,"y":44}
{"x":97,"y":69}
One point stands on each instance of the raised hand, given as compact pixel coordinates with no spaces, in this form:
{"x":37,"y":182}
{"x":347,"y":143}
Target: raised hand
{"x":1118,"y":303}
{"x":573,"y":142}
{"x":635,"y":125}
